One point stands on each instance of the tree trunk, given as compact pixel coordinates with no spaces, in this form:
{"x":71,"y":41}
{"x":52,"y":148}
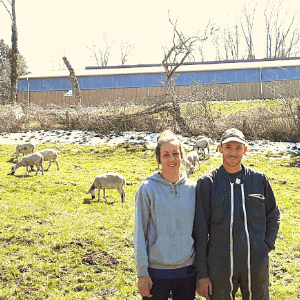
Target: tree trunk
{"x":176,"y":112}
{"x":74,"y":81}
{"x":14,"y":57}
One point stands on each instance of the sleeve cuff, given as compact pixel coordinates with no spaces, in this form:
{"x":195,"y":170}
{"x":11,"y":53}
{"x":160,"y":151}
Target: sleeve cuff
{"x":142,"y":272}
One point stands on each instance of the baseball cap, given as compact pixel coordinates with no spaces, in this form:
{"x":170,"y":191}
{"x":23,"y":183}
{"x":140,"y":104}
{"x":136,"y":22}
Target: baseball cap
{"x":233,"y":134}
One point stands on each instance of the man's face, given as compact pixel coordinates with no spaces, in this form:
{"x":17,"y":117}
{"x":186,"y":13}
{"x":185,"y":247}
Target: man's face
{"x":232,"y":155}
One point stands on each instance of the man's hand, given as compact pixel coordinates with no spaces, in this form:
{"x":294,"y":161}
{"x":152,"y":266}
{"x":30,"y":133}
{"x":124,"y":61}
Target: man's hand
{"x":204,"y":287}
{"x":145,"y":285}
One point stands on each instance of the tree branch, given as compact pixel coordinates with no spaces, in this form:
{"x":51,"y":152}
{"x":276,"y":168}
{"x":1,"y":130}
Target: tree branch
{"x":9,"y":12}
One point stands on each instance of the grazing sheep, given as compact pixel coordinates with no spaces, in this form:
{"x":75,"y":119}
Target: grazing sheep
{"x":193,"y":157}
{"x":202,"y":144}
{"x":49,"y":155}
{"x":108,"y":181}
{"x":34,"y":159}
{"x":26,"y":148}
{"x":189,"y":166}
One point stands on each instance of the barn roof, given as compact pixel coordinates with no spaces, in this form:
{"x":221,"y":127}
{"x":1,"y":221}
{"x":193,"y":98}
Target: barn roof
{"x":187,"y":67}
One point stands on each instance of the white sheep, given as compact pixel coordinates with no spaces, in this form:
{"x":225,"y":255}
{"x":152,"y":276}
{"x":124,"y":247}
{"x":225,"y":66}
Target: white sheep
{"x":202,"y":144}
{"x":108,"y":181}
{"x":26,"y":148}
{"x":34,"y":159}
{"x":49,"y":155}
{"x":193,"y":157}
{"x":189,"y":166}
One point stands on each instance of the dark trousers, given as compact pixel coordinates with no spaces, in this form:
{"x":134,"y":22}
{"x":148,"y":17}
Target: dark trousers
{"x":182,"y":288}
{"x":259,"y":285}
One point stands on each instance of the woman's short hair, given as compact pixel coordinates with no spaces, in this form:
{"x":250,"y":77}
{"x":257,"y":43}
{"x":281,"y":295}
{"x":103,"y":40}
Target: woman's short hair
{"x":166,"y":137}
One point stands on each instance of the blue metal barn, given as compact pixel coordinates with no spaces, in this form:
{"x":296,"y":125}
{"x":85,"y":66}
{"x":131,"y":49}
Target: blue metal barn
{"x":122,"y":79}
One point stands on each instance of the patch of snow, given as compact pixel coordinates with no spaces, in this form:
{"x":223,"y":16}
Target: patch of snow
{"x":78,"y":137}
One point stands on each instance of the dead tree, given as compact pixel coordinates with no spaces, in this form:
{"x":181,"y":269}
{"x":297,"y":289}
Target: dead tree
{"x":74,"y":81}
{"x":231,"y":42}
{"x":174,"y":57}
{"x":14,"y":51}
{"x":247,"y":28}
{"x":101,"y":53}
{"x":126,"y":51}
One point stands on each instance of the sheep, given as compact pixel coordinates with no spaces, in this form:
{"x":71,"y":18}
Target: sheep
{"x":189,"y":166}
{"x":26,"y":148}
{"x":108,"y":181}
{"x":29,"y":160}
{"x":193,"y":157}
{"x":49,"y":155}
{"x":202,"y":144}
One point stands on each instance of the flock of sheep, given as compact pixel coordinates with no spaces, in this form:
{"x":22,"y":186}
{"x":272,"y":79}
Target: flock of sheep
{"x":192,"y":157}
{"x":103,"y":181}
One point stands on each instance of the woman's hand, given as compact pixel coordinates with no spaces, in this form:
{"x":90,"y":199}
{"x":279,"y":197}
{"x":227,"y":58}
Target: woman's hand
{"x":145,"y":285}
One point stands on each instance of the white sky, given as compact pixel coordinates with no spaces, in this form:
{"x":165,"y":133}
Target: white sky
{"x":48,"y":30}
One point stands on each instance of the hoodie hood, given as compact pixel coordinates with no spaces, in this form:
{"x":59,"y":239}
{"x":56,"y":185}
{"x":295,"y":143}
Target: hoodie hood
{"x":173,"y":186}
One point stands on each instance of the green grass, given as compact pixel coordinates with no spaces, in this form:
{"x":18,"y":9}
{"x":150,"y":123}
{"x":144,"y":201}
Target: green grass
{"x":57,"y":244}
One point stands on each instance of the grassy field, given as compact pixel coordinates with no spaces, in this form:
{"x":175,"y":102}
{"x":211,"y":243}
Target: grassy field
{"x":57,"y":244}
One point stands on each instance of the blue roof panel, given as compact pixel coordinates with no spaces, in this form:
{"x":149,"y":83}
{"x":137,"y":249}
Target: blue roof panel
{"x":155,"y":79}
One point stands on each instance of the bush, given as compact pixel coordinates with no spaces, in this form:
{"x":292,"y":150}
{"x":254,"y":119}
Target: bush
{"x":272,"y":120}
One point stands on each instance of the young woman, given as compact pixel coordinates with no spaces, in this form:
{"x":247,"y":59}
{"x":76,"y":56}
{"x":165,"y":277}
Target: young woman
{"x":164,"y":216}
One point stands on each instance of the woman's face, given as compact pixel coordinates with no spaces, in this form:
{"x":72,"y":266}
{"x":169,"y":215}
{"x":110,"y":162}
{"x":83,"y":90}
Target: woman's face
{"x":170,"y":158}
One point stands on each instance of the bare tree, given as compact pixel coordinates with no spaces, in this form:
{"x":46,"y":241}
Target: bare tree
{"x":231,"y":42}
{"x":247,"y":23}
{"x":100,"y":51}
{"x":181,"y":49}
{"x":126,"y":51}
{"x":210,"y":29}
{"x":14,"y":49}
{"x":282,"y":34}
{"x":74,"y":81}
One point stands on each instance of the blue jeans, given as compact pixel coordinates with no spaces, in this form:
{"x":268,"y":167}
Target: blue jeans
{"x":182,"y":288}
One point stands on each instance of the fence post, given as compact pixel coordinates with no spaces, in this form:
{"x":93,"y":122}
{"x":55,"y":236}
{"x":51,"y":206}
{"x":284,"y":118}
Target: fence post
{"x":67,"y":119}
{"x":245,"y":127}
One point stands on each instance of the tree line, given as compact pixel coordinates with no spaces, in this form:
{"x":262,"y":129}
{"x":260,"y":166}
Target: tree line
{"x":235,"y":41}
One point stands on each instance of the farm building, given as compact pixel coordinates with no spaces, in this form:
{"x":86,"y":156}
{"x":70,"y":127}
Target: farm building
{"x":230,"y":80}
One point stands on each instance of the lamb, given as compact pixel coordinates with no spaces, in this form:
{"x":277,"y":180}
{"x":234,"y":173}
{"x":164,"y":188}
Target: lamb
{"x":29,"y":160}
{"x":189,"y":166}
{"x":26,"y":148}
{"x":193,"y":157}
{"x":49,"y":155}
{"x":202,"y":144}
{"x":108,"y":181}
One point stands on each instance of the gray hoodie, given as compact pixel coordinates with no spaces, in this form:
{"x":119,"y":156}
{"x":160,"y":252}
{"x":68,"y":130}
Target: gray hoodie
{"x":164,"y":217}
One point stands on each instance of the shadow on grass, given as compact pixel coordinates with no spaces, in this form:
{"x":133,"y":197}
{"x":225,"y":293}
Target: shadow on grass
{"x":90,"y":201}
{"x":20,"y":176}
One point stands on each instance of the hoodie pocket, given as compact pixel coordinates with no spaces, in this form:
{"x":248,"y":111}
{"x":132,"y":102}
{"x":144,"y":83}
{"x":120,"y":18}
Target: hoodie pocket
{"x":172,"y":250}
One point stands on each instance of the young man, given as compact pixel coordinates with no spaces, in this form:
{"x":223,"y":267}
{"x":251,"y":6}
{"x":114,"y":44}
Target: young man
{"x":236,"y":224}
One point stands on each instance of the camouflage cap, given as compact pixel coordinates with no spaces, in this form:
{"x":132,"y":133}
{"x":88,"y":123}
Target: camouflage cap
{"x":233,"y":134}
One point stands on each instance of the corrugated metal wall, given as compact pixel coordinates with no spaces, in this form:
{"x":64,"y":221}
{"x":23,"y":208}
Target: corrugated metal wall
{"x":105,"y":97}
